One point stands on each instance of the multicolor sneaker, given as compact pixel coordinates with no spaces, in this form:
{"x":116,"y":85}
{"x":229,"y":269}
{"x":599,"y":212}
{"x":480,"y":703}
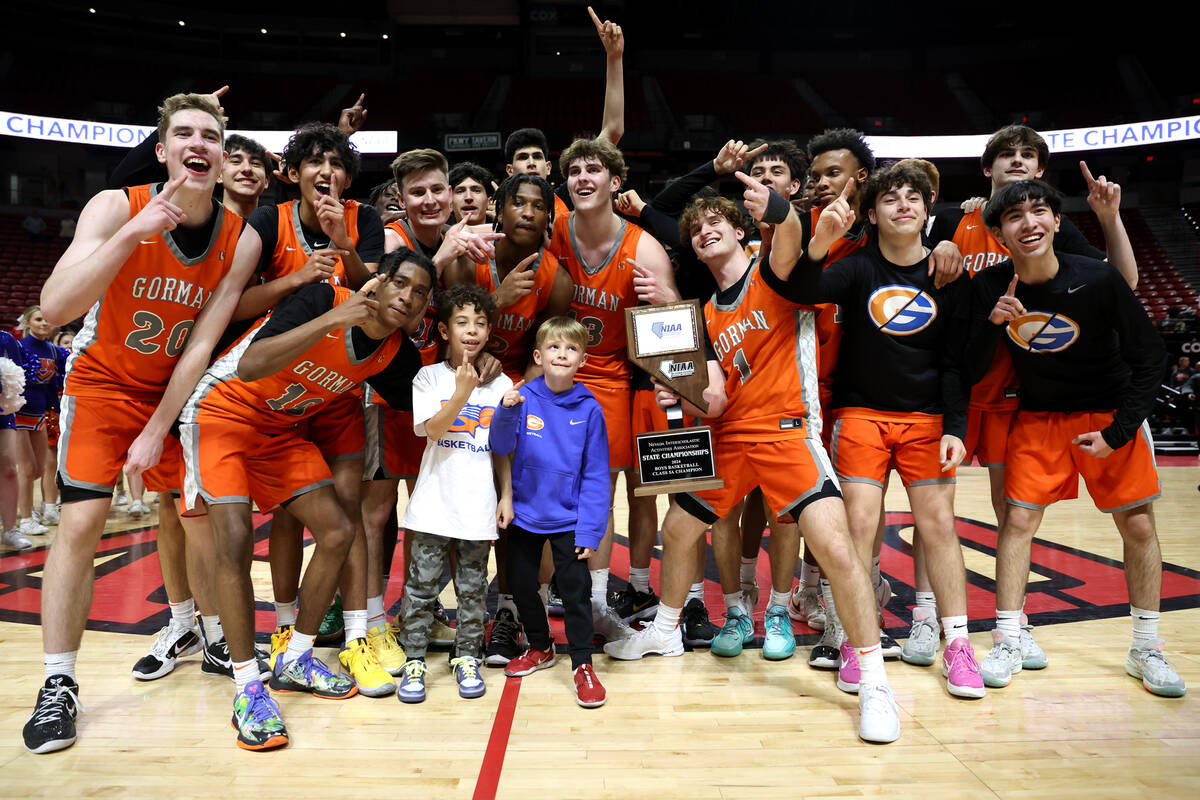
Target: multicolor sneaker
{"x":1157,"y":674}
{"x":412,"y":682}
{"x":506,"y":641}
{"x":1032,"y":656}
{"x":805,"y":606}
{"x":279,"y":644}
{"x":607,"y":625}
{"x":737,"y":632}
{"x":848,"y":671}
{"x":389,"y":652}
{"x":310,"y":674}
{"x":878,"y":719}
{"x":825,"y":653}
{"x":961,"y":670}
{"x":257,"y":719}
{"x":923,"y":640}
{"x":1001,"y":663}
{"x":698,"y":630}
{"x":360,"y":661}
{"x":779,"y":640}
{"x":466,"y":674}
{"x":648,"y":641}
{"x":589,"y":692}
{"x":52,"y":725}
{"x":332,"y":625}
{"x":530,"y":661}
{"x":632,"y":605}
{"x":172,"y":643}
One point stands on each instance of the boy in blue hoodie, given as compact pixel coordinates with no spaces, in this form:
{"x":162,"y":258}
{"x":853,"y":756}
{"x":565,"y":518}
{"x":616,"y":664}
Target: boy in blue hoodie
{"x":559,"y":491}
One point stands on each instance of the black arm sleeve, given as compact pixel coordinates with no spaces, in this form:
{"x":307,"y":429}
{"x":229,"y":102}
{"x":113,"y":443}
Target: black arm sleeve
{"x":139,"y":166}
{"x":661,"y":226}
{"x":982,"y":336}
{"x":1070,"y":239}
{"x":1144,"y":351}
{"x":304,"y":305}
{"x":678,"y":193}
{"x":370,"y":234}
{"x":265,"y":221}
{"x":394,"y":383}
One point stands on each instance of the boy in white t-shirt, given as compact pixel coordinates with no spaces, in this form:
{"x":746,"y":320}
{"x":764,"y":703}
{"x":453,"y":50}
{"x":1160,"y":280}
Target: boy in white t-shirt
{"x":453,"y":504}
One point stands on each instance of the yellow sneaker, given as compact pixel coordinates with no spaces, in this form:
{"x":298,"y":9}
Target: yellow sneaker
{"x":279,"y":643}
{"x":359,"y":660}
{"x":387,"y":649}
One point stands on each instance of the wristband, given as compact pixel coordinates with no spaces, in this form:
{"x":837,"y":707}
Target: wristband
{"x":777,"y":208}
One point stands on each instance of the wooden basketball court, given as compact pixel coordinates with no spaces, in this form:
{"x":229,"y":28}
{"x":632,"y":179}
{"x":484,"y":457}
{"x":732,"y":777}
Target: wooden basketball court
{"x":691,"y":727}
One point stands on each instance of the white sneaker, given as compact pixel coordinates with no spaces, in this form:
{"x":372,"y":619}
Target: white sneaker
{"x":1001,"y":663}
{"x":749,"y":600}
{"x":923,"y":640}
{"x":121,"y":499}
{"x":606,"y":624}
{"x":1032,"y":656}
{"x":1156,"y":672}
{"x":14,"y":539}
{"x":883,"y":593}
{"x":805,"y":606}
{"x":172,"y":643}
{"x":878,"y":719}
{"x":138,"y":509}
{"x":648,"y":641}
{"x":31,"y":527}
{"x":50,"y":514}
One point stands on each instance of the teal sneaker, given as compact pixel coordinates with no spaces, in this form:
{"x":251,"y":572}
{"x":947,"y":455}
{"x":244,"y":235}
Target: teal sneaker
{"x":737,"y":631}
{"x":779,"y":640}
{"x":309,"y":674}
{"x":332,"y":626}
{"x":257,"y":719}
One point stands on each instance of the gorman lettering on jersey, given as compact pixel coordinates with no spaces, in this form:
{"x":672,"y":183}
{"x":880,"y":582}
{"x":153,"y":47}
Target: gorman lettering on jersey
{"x":901,"y":310}
{"x":1043,"y":332}
{"x":598,"y":298}
{"x":169,"y":290}
{"x":330,"y":380}
{"x":977,"y":262}
{"x":733,"y":335}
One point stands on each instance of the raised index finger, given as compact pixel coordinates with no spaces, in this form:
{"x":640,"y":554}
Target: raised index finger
{"x":756,"y":151}
{"x":1011,"y":291}
{"x":1087,"y":173}
{"x":747,"y":180}
{"x":371,"y":285}
{"x":170,"y":186}
{"x":595,"y":20}
{"x":847,"y":189}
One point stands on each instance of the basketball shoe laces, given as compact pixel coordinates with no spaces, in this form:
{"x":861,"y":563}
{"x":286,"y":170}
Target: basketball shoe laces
{"x":53,"y":705}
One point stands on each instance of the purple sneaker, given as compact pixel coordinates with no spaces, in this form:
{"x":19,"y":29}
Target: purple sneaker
{"x":961,"y":670}
{"x":848,"y":671}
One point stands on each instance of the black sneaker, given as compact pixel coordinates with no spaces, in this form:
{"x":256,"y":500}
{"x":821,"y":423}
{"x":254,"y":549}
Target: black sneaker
{"x":554,"y":602}
{"x":505,"y":642}
{"x":172,"y":643}
{"x":698,"y":631}
{"x":218,"y":662}
{"x":631,"y":605}
{"x":52,"y":724}
{"x":889,"y":646}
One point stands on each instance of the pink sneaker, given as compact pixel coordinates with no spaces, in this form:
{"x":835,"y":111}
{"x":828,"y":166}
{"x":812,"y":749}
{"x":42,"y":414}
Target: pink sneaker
{"x":848,"y":671}
{"x":961,"y":670}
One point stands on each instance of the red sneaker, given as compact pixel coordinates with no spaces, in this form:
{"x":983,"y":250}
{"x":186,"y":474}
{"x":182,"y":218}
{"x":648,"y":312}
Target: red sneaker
{"x":588,"y":691}
{"x":530,"y":661}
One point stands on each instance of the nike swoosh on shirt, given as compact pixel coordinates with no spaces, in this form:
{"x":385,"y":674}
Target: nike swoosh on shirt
{"x":578,"y":421}
{"x":972,"y":227}
{"x":1075,"y":289}
{"x":147,"y":241}
{"x":290,"y":249}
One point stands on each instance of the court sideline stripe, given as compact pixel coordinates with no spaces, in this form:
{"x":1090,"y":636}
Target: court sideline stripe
{"x":493,"y":757}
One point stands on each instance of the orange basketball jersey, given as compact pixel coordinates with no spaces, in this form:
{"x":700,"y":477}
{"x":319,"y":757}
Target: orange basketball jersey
{"x":292,"y":250}
{"x":767,"y":346}
{"x":997,"y":390}
{"x":512,"y":335}
{"x":132,"y":337}
{"x":602,"y":293}
{"x":325,"y":371}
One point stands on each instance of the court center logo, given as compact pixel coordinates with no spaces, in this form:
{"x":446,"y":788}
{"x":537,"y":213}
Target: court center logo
{"x":1043,"y":332}
{"x":901,"y":310}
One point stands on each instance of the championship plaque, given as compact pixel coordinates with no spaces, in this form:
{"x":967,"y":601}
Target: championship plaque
{"x":665,"y":341}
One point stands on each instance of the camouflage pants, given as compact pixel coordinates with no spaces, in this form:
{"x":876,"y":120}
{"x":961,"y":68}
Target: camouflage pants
{"x":421,"y":591}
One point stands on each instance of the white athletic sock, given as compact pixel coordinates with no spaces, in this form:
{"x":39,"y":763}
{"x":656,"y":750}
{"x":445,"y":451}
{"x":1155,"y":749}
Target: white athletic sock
{"x":599,"y":586}
{"x":506,"y":601}
{"x":748,"y":570}
{"x":1145,"y":627}
{"x":1009,"y":624}
{"x":731,"y":600}
{"x":211,"y":624}
{"x":184,"y":613}
{"x":779,"y":598}
{"x":299,"y":644}
{"x":376,"y":615}
{"x":954,"y":628}
{"x":667,"y":618}
{"x":831,"y":617}
{"x":355,"y":621}
{"x":639,"y":578}
{"x":810,"y":576}
{"x":48,"y":507}
{"x":285,"y":613}
{"x":870,"y":665}
{"x":244,"y":674}
{"x":927,"y":601}
{"x":60,"y":663}
{"x":696,"y":592}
